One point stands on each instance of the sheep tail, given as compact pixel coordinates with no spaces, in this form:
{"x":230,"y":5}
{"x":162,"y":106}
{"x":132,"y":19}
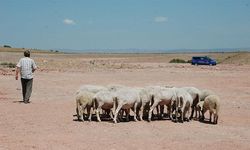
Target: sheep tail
{"x":115,"y":103}
{"x":95,"y":104}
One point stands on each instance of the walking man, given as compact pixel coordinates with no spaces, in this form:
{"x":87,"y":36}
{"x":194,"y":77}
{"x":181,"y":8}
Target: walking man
{"x":26,"y":66}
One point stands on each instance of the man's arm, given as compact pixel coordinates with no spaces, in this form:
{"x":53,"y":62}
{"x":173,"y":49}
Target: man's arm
{"x":33,"y":70}
{"x":34,"y":67}
{"x":17,"y":72}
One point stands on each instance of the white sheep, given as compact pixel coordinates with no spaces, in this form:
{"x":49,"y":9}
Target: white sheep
{"x":145,"y":100}
{"x":115,"y":87}
{"x":126,"y":98}
{"x":104,"y":100}
{"x":161,"y":96}
{"x":91,"y":88}
{"x":195,"y":94}
{"x":183,"y":104}
{"x":84,"y":100}
{"x":211,"y":104}
{"x":205,"y":93}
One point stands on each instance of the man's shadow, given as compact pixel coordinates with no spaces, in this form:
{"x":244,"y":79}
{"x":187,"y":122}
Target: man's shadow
{"x":18,"y":101}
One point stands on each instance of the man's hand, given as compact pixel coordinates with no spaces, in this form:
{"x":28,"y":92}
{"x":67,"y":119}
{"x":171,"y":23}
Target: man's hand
{"x":17,"y":71}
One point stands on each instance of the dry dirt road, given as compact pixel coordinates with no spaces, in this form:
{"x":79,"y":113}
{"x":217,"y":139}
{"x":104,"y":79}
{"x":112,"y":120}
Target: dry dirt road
{"x":48,"y":122}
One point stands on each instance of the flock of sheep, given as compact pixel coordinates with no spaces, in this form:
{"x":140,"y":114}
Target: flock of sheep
{"x":114,"y":100}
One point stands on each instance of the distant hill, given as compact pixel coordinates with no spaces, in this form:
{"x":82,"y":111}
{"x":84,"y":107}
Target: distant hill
{"x":4,"y":49}
{"x":136,"y":50}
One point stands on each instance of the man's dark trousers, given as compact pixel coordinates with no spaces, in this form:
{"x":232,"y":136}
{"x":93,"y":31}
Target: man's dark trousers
{"x":26,"y":89}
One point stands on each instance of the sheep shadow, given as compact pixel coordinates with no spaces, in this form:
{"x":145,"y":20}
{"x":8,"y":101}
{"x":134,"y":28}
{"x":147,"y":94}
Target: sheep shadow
{"x":106,"y":118}
{"x":206,"y":121}
{"x":18,"y":101}
{"x":93,"y":118}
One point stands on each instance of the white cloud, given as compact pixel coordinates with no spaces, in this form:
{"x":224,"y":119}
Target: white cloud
{"x":160,"y":19}
{"x":69,"y":21}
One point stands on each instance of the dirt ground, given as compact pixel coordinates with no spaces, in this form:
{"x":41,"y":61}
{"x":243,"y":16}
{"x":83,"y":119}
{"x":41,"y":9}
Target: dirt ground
{"x":48,"y":122}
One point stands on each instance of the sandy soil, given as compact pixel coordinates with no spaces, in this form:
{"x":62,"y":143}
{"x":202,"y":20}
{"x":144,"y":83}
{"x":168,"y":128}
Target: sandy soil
{"x":48,"y":122}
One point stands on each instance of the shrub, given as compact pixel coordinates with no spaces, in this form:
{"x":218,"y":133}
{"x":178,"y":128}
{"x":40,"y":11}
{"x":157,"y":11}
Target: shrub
{"x":177,"y":60}
{"x":9,"y":65}
{"x":7,"y":46}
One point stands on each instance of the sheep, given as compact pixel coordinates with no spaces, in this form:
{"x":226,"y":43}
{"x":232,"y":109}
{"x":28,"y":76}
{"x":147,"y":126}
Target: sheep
{"x":161,"y":96}
{"x":183,"y":104}
{"x":115,"y":87}
{"x":211,"y":103}
{"x":84,"y":100}
{"x":126,"y":98}
{"x":195,"y":94}
{"x":91,"y":88}
{"x":205,"y":93}
{"x":145,"y":100}
{"x":103,"y":100}
{"x":199,"y":108}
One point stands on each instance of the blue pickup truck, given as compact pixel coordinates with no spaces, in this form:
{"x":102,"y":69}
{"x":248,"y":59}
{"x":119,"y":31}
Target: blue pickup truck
{"x":203,"y":60}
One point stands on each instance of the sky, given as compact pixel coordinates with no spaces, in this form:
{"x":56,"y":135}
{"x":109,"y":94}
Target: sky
{"x":125,"y":24}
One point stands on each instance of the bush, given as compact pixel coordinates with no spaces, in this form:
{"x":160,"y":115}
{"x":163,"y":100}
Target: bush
{"x":7,"y":46}
{"x":9,"y":65}
{"x":177,"y":60}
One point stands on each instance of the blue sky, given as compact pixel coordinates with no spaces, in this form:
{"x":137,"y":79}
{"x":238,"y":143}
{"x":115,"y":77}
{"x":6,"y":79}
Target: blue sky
{"x":123,"y":24}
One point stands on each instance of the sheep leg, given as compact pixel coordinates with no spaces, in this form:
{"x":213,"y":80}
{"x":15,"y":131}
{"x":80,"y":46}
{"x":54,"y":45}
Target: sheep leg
{"x":151,"y":110}
{"x":199,"y":113}
{"x":82,"y":112}
{"x":195,"y":109}
{"x":170,"y":112}
{"x":161,"y":111}
{"x":116,"y":112}
{"x":176,"y":113}
{"x":78,"y":115}
{"x":127,"y":111}
{"x":89,"y":113}
{"x":189,"y":112}
{"x":192,"y":113}
{"x":215,"y":118}
{"x":79,"y":111}
{"x":135,"y":111}
{"x":210,"y":116}
{"x":111,"y":113}
{"x":141,"y":112}
{"x":98,"y":113}
{"x":182,"y":117}
{"x":120,"y":114}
